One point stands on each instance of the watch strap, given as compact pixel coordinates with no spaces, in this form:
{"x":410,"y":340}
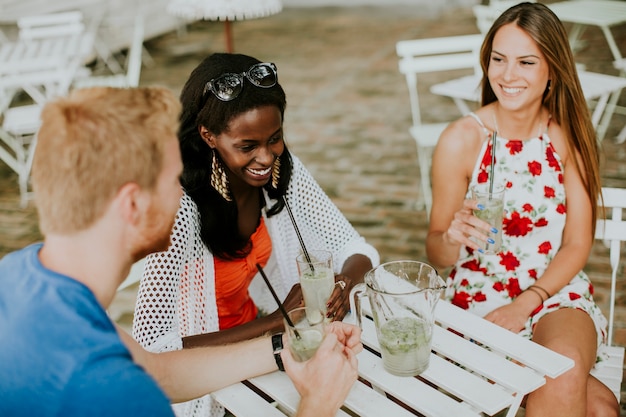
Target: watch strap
{"x":277,"y":346}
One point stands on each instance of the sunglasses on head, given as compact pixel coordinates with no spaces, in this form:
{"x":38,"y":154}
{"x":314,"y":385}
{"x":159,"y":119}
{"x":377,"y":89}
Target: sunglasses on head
{"x":227,"y":86}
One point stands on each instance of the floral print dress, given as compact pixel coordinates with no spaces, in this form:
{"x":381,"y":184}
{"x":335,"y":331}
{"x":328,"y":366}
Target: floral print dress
{"x":535,"y":211}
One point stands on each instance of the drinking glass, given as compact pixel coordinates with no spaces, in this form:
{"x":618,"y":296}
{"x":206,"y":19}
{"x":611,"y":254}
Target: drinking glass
{"x":317,"y":280}
{"x":493,"y":213}
{"x":304,"y":336}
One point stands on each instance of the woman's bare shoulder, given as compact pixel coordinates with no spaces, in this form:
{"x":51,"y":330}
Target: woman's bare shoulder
{"x":462,"y":135}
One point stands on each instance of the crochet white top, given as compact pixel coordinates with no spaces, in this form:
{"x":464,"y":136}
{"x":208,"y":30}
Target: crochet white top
{"x":176,"y":296}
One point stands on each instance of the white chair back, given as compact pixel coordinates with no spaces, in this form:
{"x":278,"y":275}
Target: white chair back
{"x":487,"y":14}
{"x":133,"y":64}
{"x":612,"y":231}
{"x":431,"y":55}
{"x":50,"y":25}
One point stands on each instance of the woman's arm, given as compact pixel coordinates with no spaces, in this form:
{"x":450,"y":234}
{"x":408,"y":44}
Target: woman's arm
{"x":271,"y":323}
{"x":451,"y":218}
{"x":324,"y":226}
{"x":352,"y":273}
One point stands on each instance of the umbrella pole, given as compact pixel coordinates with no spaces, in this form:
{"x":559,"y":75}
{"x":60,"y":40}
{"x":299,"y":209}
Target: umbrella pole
{"x":229,"y":36}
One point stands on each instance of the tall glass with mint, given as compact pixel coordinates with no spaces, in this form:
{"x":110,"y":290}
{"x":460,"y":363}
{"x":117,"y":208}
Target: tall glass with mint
{"x":317,"y":280}
{"x":492,"y":201}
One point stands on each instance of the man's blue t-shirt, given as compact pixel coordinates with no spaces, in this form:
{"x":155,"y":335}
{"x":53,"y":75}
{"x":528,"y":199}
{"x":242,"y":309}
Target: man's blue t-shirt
{"x":60,"y":354}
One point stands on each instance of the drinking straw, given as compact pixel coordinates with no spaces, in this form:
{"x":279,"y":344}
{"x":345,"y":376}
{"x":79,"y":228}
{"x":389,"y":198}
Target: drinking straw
{"x":295,"y":226}
{"x":493,"y":161}
{"x":280,"y":305}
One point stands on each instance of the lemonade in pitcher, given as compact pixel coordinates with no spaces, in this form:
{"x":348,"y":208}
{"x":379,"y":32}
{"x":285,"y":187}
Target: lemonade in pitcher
{"x":405,"y":346}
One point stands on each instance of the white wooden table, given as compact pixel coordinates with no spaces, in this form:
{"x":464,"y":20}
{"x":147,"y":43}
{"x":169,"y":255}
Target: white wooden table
{"x":602,"y":13}
{"x":483,"y":373}
{"x":601,"y":88}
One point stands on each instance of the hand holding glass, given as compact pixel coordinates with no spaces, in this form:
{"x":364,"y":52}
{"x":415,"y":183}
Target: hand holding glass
{"x":304,"y":336}
{"x":492,"y":213}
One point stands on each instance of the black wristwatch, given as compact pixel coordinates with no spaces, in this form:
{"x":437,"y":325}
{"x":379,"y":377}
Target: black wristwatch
{"x":277,"y":346}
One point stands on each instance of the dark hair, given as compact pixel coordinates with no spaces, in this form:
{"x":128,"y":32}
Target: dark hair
{"x":564,"y":96}
{"x":218,"y":218}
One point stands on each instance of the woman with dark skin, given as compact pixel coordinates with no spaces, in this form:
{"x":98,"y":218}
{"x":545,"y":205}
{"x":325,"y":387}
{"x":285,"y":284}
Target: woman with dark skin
{"x":238,"y":173}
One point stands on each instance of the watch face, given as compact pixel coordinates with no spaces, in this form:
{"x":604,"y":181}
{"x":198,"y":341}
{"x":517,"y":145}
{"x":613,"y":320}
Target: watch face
{"x":277,"y":342}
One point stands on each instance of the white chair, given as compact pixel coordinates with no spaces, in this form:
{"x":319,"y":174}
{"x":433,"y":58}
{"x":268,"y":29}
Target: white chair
{"x":19,"y":135}
{"x":133,"y":64}
{"x":426,"y":56}
{"x":612,"y":231}
{"x":487,"y":14}
{"x":50,"y":25}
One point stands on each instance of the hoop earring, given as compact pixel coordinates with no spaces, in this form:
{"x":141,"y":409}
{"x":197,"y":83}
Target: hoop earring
{"x":219,"y":180}
{"x":276,"y":173}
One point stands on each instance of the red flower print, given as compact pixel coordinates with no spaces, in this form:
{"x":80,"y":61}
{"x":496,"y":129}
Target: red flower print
{"x":573,"y":296}
{"x":509,"y":261}
{"x":552,"y":162}
{"x":542,"y":222}
{"x":462,"y":300}
{"x":560,"y":178}
{"x":537,"y":310}
{"x":464,"y":283}
{"x":517,"y":225}
{"x":498,"y":286}
{"x":532,"y":273}
{"x":561,"y":209}
{"x":534,"y":168}
{"x":591,"y":289}
{"x":482,"y":176}
{"x":515,"y":146}
{"x":548,"y":192}
{"x":509,"y":184}
{"x":553,"y":305}
{"x":474,"y":265}
{"x":544,"y":248}
{"x":527,"y":208}
{"x":486,"y":157}
{"x":513,"y":288}
{"x":479,"y":296}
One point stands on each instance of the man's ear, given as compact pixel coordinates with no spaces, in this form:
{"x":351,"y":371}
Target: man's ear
{"x":132,"y":202}
{"x":207,"y":136}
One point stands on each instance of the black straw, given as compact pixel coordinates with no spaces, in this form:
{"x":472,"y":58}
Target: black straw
{"x":280,"y":305}
{"x":295,"y":226}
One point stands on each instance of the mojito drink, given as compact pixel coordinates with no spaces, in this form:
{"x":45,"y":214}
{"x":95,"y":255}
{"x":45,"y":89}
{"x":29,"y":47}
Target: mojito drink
{"x":305,"y":347}
{"x":492,"y":214}
{"x":317,"y":286}
{"x":405,"y":344}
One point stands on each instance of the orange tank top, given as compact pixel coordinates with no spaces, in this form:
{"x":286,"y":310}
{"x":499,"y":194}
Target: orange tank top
{"x":233,"y":277}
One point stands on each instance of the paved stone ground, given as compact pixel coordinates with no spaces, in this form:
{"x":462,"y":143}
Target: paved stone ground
{"x":347,"y":117}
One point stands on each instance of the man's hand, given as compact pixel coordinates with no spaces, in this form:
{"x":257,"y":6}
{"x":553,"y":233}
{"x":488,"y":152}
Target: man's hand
{"x":325,"y":380}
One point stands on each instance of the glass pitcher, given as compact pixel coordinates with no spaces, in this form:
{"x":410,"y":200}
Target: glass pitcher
{"x":402,"y":296}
